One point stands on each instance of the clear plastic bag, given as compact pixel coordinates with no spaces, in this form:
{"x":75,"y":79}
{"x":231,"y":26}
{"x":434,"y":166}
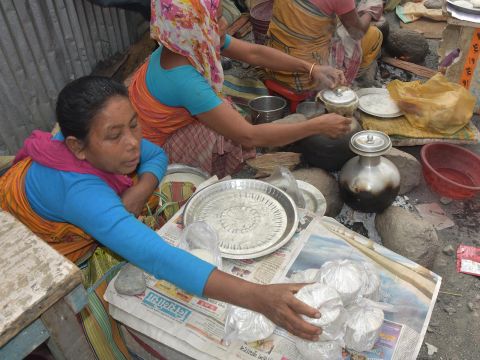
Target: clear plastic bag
{"x":284,"y":179}
{"x":305,"y":276}
{"x":371,"y":282}
{"x":201,"y":240}
{"x":328,"y":302}
{"x":246,"y":325}
{"x":365,"y":318}
{"x":320,"y":350}
{"x":345,"y":276}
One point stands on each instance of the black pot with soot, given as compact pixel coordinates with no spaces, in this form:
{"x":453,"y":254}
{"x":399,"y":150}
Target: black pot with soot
{"x":322,"y":151}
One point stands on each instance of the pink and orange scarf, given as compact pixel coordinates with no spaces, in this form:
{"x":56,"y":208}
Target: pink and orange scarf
{"x":189,"y":28}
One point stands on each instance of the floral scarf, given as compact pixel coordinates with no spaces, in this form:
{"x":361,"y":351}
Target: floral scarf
{"x":189,"y":28}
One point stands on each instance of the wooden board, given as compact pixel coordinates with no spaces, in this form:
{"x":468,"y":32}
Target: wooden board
{"x":411,"y":67}
{"x":28,"y":340}
{"x":33,"y":277}
{"x":428,"y":28}
{"x":67,"y":339}
{"x":463,"y":38}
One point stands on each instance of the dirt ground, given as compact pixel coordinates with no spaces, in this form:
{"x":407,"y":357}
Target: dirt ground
{"x":455,"y":323}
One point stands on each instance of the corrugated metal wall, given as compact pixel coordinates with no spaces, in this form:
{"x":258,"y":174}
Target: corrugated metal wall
{"x":43,"y":45}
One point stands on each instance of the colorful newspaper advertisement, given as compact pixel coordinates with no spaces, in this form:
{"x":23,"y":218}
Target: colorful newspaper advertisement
{"x":194,"y":326}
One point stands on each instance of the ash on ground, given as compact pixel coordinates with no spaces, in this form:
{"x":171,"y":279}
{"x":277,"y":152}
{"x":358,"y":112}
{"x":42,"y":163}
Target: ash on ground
{"x":364,"y":223}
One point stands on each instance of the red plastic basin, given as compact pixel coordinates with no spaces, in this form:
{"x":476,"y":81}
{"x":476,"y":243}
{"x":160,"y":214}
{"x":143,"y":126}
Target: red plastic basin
{"x":451,"y":170}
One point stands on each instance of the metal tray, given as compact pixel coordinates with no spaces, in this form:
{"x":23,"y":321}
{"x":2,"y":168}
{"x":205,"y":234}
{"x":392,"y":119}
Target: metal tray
{"x":252,"y":218}
{"x":369,"y":96}
{"x":185,"y":173}
{"x":475,"y":11}
{"x":314,"y":199}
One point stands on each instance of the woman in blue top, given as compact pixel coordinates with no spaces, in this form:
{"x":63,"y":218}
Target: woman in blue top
{"x":76,"y":188}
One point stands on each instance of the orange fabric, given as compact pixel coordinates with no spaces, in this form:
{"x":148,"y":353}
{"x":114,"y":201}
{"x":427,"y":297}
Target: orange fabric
{"x":67,"y":239}
{"x":158,"y":121}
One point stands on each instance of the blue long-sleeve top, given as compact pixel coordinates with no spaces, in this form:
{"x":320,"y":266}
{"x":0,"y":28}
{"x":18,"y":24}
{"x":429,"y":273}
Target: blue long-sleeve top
{"x":87,"y":202}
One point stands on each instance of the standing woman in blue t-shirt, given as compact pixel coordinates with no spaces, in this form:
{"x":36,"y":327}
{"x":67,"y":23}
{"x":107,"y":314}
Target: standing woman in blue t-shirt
{"x":177,"y":93}
{"x":73,"y":190}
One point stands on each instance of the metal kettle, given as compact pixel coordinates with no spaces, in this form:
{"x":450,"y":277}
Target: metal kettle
{"x":369,"y":182}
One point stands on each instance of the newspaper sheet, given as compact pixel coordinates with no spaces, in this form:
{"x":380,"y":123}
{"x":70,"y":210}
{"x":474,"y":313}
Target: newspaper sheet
{"x":195,"y":326}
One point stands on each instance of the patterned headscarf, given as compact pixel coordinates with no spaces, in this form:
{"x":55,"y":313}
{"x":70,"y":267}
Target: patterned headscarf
{"x":189,"y":28}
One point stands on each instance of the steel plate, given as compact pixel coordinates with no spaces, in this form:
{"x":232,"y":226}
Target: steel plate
{"x":252,"y":218}
{"x":453,"y":4}
{"x":314,"y":199}
{"x":184,"y":173}
{"x":377,"y":102}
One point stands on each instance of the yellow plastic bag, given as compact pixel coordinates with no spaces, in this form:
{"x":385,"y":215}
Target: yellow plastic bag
{"x":436,"y":105}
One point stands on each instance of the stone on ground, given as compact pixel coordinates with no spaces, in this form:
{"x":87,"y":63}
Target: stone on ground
{"x":433,"y":4}
{"x":409,"y":167}
{"x":407,"y":234}
{"x":327,"y":185}
{"x":448,"y":250}
{"x":407,"y":45}
{"x":130,"y":281}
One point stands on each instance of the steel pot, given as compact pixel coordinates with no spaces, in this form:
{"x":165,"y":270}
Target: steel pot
{"x":342,"y":100}
{"x":265,"y":109}
{"x":369,"y":182}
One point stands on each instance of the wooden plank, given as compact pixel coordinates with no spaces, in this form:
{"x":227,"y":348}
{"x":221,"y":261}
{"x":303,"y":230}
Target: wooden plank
{"x":238,"y":24}
{"x":411,"y":67}
{"x":33,"y":277}
{"x":25,"y":342}
{"x":430,"y":29}
{"x":77,"y":299}
{"x":67,"y":339}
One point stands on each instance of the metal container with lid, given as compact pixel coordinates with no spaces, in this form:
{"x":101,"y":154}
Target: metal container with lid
{"x":342,"y":100}
{"x":369,"y":182}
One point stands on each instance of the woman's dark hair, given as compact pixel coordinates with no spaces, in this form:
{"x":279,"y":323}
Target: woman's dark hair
{"x":81,"y":100}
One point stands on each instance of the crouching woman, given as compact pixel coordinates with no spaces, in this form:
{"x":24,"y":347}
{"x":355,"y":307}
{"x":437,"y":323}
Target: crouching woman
{"x":74,"y":192}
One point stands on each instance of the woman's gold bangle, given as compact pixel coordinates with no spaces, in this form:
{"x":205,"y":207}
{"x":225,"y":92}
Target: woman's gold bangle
{"x":311,"y":70}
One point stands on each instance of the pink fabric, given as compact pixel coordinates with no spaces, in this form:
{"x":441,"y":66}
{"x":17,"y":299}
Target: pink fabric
{"x":54,"y":154}
{"x":374,"y":7}
{"x":197,"y":145}
{"x":334,"y":7}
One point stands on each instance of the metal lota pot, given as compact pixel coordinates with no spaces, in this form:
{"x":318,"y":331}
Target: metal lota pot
{"x":265,"y":109}
{"x":369,"y":182}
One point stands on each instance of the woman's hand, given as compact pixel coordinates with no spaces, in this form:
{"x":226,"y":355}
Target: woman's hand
{"x":331,"y":125}
{"x":327,"y":77}
{"x":278,"y":303}
{"x":135,"y":197}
